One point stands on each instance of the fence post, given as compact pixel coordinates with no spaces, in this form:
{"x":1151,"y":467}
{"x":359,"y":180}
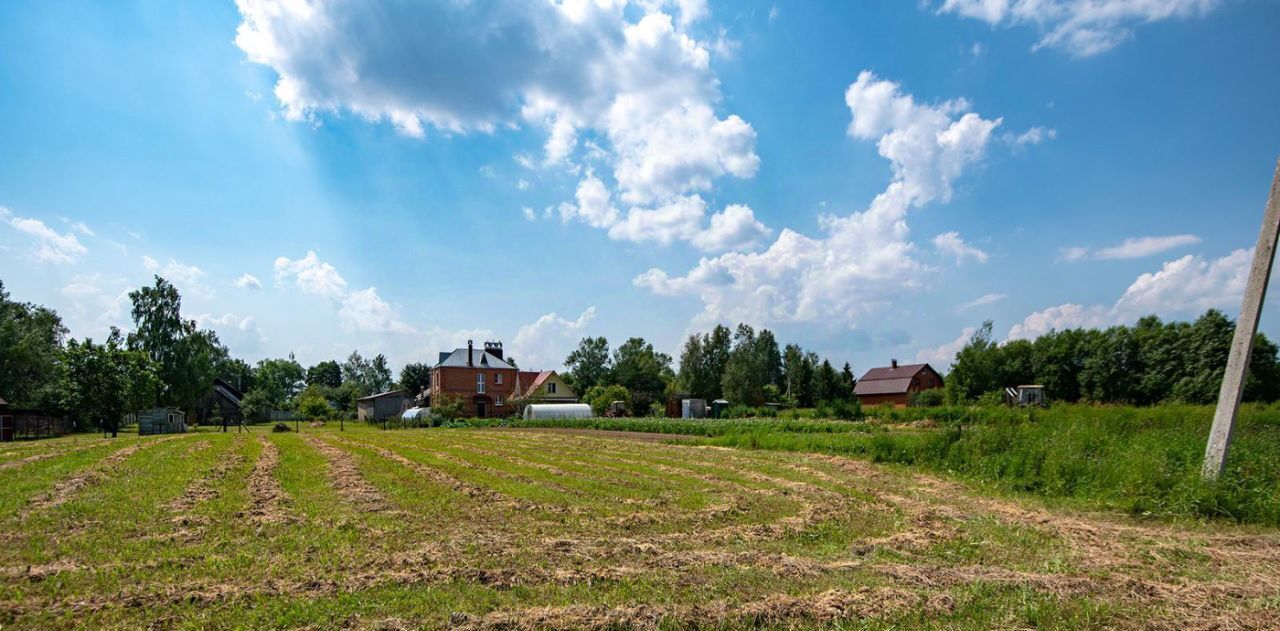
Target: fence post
{"x":1224,"y":417}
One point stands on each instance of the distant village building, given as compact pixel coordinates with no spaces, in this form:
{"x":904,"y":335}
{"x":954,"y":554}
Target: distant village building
{"x":894,"y":384}
{"x":162,"y":420}
{"x":221,"y":401}
{"x":545,"y":387}
{"x":29,"y":423}
{"x":376,"y":407}
{"x":482,"y":379}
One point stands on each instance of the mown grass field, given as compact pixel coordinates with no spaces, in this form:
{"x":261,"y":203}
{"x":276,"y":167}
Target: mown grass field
{"x":500,"y":528}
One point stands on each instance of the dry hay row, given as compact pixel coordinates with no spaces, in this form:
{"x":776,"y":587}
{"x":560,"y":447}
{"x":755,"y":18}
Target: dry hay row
{"x":346,"y":479}
{"x":526,"y":459}
{"x":779,"y":609}
{"x":202,"y":489}
{"x":728,"y":460}
{"x":267,"y":500}
{"x":448,"y":481}
{"x":64,"y":490}
{"x":53,"y":453}
{"x":596,"y":459}
{"x":512,"y":476}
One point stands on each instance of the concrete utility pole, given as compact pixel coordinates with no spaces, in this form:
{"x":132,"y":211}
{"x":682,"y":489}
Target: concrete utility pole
{"x":1224,"y":418}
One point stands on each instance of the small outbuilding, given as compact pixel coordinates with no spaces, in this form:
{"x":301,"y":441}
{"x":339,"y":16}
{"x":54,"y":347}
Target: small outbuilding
{"x":894,"y":384}
{"x":376,"y":407}
{"x":162,"y":420}
{"x":556,"y":410}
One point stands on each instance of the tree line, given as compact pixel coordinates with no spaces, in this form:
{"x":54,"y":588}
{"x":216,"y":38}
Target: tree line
{"x":743,"y":366}
{"x":167,"y":360}
{"x":1147,"y":363}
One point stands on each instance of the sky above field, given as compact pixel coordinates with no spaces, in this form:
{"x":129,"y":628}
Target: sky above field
{"x":869,"y":179}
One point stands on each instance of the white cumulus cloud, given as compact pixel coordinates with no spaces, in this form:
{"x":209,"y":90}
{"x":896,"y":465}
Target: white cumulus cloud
{"x":545,"y":343}
{"x":50,"y":246}
{"x":311,"y":275}
{"x":1080,"y":27}
{"x":1131,"y":248}
{"x":248,"y":281}
{"x":1182,"y":287}
{"x":865,"y":259}
{"x":366,"y":311}
{"x":626,"y":73}
{"x":951,"y":244}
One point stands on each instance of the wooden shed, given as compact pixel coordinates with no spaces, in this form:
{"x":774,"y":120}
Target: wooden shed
{"x":894,"y":384}
{"x":376,"y":407}
{"x":163,"y":420}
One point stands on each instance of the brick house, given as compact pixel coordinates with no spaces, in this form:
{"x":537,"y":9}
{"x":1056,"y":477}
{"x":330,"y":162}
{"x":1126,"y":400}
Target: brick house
{"x":894,"y":384}
{"x":481,"y":378}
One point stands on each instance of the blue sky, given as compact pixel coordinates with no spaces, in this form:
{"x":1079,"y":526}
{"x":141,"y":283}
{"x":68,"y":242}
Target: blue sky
{"x":869,"y":179}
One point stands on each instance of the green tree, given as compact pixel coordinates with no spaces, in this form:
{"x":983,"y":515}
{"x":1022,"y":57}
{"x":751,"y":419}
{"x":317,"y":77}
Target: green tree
{"x":415,"y":377}
{"x":278,"y":381}
{"x":589,"y":364}
{"x":976,"y":369}
{"x":103,"y":382}
{"x":599,"y":397}
{"x":642,"y":371}
{"x":313,"y":404}
{"x":31,"y":339}
{"x":186,"y":356}
{"x":827,"y":384}
{"x":847,"y":382}
{"x":326,"y":373}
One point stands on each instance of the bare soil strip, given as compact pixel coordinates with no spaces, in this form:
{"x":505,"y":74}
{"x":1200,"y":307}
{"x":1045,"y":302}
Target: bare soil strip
{"x":63,"y":491}
{"x":14,"y":464}
{"x":347,"y":480}
{"x":267,"y":500}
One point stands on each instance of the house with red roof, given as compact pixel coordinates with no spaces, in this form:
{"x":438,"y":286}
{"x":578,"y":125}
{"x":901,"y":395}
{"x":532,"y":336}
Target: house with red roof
{"x":894,"y":384}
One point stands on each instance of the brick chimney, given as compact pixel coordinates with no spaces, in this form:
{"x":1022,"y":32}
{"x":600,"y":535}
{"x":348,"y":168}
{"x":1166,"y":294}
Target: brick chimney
{"x":893,"y":363}
{"x":469,"y":362}
{"x":495,"y":348}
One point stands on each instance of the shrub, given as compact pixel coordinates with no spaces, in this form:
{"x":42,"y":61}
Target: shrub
{"x":281,"y":427}
{"x":841,"y":409}
{"x":446,"y":406}
{"x":599,"y":397}
{"x":314,"y":407}
{"x":927,"y":398}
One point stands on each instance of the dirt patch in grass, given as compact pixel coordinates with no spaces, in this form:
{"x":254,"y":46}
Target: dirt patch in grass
{"x":45,"y":456}
{"x":267,"y":500}
{"x":203,"y":488}
{"x":347,"y":480}
{"x":652,"y":437}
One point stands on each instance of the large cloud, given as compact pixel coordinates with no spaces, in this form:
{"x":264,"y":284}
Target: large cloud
{"x":1182,"y":287}
{"x":865,"y":259}
{"x":363,"y":310}
{"x":545,"y":343}
{"x":630,"y":75}
{"x":50,"y":245}
{"x":1081,"y":27}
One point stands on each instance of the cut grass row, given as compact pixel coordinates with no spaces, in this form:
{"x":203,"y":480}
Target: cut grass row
{"x":1144,"y":461}
{"x":118,"y":553}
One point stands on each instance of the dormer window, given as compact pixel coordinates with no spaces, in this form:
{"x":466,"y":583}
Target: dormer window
{"x":551,"y":388}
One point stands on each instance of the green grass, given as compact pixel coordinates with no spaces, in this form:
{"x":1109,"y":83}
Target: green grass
{"x":487,"y":526}
{"x":1141,"y":460}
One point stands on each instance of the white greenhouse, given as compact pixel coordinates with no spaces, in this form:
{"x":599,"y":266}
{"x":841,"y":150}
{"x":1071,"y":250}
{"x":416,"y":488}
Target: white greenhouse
{"x":416,"y":414}
{"x":557,"y":410}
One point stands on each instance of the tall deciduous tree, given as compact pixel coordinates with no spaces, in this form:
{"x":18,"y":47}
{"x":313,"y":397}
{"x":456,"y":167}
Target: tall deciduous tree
{"x":415,"y":377}
{"x":326,"y":373}
{"x":589,"y":364}
{"x":186,"y":356}
{"x":31,"y":339}
{"x":643,"y":371}
{"x":103,"y":382}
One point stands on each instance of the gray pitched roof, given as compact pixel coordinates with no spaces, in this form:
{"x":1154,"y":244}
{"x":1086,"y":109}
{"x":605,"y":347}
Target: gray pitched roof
{"x":480,"y":358}
{"x":379,"y":395}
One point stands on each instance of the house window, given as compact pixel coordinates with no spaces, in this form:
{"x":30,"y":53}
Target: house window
{"x":480,"y":383}
{"x":497,"y":378}
{"x":497,"y":401}
{"x":551,"y":388}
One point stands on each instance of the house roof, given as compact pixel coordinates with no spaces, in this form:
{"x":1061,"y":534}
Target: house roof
{"x":388,"y":393}
{"x":227,"y":390}
{"x":888,"y":379}
{"x":480,"y":358}
{"x":3,"y":402}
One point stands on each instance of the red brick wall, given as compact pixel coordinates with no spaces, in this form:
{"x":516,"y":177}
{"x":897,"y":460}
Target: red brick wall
{"x":461,"y":382}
